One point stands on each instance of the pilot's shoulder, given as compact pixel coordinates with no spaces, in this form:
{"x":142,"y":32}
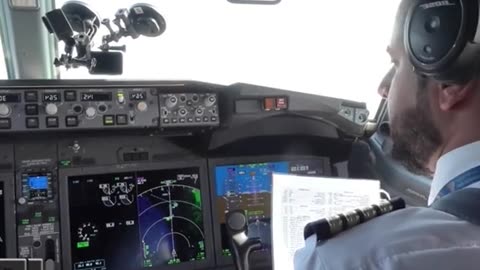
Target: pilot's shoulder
{"x":400,"y":232}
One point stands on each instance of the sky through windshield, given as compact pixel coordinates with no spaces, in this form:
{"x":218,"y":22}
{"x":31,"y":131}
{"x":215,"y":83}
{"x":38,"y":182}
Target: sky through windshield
{"x":3,"y":67}
{"x":332,"y":48}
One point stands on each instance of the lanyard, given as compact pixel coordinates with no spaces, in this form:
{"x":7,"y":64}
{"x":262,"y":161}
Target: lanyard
{"x":463,"y":180}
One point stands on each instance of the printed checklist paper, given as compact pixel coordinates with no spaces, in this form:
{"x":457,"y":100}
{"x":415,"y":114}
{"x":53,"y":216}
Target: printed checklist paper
{"x":298,"y":200}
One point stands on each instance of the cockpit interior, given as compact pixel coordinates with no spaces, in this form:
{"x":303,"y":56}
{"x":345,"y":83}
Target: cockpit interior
{"x":129,"y":130}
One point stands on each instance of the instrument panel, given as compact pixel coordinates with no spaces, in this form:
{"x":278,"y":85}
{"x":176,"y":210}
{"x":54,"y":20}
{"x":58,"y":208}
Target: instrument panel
{"x":161,"y":213}
{"x":102,"y":176}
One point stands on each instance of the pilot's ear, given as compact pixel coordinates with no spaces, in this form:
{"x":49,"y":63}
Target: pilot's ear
{"x":453,"y":95}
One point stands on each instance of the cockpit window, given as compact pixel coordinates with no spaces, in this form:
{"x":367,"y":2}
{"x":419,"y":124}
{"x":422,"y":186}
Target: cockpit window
{"x":331,"y":48}
{"x":3,"y":67}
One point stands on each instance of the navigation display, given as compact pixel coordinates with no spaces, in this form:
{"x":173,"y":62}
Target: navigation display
{"x":248,"y":187}
{"x":170,"y":217}
{"x":136,"y":220}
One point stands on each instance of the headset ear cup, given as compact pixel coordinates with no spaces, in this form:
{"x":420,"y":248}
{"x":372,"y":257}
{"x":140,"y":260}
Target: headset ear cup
{"x":436,"y":36}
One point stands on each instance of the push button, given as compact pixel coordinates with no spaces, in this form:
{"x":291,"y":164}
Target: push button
{"x":122,"y":119}
{"x":5,"y":123}
{"x":34,"y":264}
{"x":71,"y":121}
{"x":31,"y":109}
{"x":13,"y":264}
{"x":108,"y":120}
{"x":70,"y":96}
{"x":32,"y":122}
{"x":52,"y":122}
{"x":282,"y":103}
{"x":269,"y":104}
{"x":31,"y":96}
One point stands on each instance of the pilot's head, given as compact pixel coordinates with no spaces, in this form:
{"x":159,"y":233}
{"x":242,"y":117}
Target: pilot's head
{"x":428,"y":117}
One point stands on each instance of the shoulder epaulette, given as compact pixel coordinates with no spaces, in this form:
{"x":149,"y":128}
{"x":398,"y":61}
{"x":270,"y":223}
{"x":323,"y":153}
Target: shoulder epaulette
{"x":326,"y":228}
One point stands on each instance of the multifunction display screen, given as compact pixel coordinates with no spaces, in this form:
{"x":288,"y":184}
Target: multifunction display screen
{"x":136,"y":220}
{"x":248,"y":187}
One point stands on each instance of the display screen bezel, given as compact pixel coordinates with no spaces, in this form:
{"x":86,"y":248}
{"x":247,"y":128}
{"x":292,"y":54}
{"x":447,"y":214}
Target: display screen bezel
{"x":184,"y":163}
{"x":96,"y":96}
{"x":258,"y":258}
{"x":9,"y":237}
{"x":58,"y":96}
{"x":10,"y":98}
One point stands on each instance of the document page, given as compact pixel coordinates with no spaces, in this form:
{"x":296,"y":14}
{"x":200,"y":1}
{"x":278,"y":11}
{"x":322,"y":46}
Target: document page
{"x":298,"y":200}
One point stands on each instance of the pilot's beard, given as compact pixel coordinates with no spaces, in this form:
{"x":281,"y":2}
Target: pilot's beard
{"x":415,"y":136}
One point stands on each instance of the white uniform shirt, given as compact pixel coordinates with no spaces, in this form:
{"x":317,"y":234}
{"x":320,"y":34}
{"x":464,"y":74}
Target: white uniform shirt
{"x":413,"y":238}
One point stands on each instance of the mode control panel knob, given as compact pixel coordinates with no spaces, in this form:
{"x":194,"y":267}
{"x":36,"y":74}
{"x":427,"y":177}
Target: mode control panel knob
{"x":90,"y":112}
{"x":51,"y":109}
{"x":4,"y":109}
{"x":142,"y":106}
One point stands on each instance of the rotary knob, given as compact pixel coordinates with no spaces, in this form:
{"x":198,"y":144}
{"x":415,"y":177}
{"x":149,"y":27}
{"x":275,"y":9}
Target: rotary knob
{"x":51,"y":109}
{"x":171,"y":101}
{"x":4,"y":109}
{"x":90,"y":112}
{"x":142,"y":106}
{"x":22,"y":200}
{"x":182,"y":112}
{"x":199,"y":112}
{"x":210,"y":101}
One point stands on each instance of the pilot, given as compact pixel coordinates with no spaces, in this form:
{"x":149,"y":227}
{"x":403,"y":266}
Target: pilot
{"x":435,"y":131}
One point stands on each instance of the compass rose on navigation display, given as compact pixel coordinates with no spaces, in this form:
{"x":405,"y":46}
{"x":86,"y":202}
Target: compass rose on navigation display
{"x":170,"y":216}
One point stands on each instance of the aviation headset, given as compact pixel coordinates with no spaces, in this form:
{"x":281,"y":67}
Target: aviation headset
{"x":442,"y":38}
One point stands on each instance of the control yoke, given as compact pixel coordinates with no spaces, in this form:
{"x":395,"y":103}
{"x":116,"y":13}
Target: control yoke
{"x":75,"y":24}
{"x":241,"y":245}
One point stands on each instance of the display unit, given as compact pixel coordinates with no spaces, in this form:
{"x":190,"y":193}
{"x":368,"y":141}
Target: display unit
{"x":148,"y":216}
{"x":245,"y":183}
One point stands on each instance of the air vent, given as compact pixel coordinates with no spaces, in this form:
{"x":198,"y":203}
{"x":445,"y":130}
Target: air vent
{"x":384,"y":129}
{"x":83,"y":161}
{"x":135,"y":156}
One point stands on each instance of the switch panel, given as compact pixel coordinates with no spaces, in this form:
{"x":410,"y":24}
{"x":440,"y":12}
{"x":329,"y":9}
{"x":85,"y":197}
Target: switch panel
{"x":189,"y":110}
{"x":80,"y":108}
